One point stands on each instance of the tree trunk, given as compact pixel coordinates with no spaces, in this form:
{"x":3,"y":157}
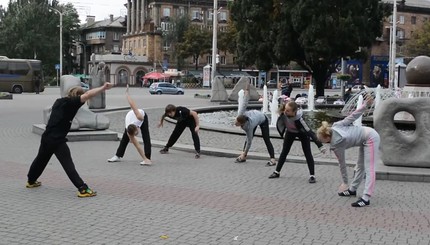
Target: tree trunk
{"x":197,"y":63}
{"x":320,"y":76}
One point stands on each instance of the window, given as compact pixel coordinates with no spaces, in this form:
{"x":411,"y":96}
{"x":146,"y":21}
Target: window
{"x":181,"y":11}
{"x":166,"y":12}
{"x":116,"y":48}
{"x":222,"y":60}
{"x":402,"y":19}
{"x":413,"y":20}
{"x":116,"y":36}
{"x":18,"y":68}
{"x":210,"y":13}
{"x":209,"y":59}
{"x":401,"y":34}
{"x":195,"y":15}
{"x":3,"y":67}
{"x":222,"y":16}
{"x":96,"y":35}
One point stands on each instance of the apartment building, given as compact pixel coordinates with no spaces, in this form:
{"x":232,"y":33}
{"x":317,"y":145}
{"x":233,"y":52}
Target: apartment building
{"x":149,"y":20}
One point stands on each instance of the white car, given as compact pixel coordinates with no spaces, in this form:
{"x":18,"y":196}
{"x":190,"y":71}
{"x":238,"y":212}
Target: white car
{"x":358,"y":88}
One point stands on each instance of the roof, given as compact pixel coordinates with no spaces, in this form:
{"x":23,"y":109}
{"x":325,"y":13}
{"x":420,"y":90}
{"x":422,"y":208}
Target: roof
{"x":117,"y":22}
{"x":413,"y":3}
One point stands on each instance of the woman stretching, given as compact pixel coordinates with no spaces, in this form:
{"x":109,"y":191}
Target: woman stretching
{"x":343,"y":135}
{"x":291,"y":121}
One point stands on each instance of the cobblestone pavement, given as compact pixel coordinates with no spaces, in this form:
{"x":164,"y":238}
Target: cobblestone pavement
{"x":182,"y":200}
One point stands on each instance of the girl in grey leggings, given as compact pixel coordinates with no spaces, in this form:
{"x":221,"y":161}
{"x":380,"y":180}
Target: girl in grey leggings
{"x":343,"y":135}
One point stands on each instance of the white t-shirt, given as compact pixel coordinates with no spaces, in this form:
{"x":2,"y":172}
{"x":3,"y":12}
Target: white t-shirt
{"x":131,"y":118}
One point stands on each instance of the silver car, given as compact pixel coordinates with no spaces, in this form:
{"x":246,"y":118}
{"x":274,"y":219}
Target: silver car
{"x":164,"y":88}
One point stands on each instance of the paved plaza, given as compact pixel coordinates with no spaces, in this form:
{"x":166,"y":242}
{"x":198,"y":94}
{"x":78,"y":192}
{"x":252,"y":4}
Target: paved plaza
{"x":182,"y":200}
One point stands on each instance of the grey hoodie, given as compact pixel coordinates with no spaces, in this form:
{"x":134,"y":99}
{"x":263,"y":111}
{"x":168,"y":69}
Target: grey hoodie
{"x":346,"y":135}
{"x":255,"y":118}
{"x":296,"y":124}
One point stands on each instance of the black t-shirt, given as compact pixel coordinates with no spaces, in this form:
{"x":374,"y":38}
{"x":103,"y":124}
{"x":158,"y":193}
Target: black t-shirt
{"x":60,"y":120}
{"x":182,"y":114}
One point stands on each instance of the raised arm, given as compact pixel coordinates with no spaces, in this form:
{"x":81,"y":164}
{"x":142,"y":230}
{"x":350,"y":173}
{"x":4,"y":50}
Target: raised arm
{"x":95,"y":91}
{"x":244,"y":105}
{"x":357,"y":113}
{"x":133,"y":105}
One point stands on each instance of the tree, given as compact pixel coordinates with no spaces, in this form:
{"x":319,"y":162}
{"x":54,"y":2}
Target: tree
{"x":197,"y":42}
{"x":174,"y":36}
{"x":315,"y":34}
{"x":253,"y":20}
{"x":420,"y":42}
{"x":29,"y":30}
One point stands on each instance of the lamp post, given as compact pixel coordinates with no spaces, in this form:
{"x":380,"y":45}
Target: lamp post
{"x":61,"y":38}
{"x":214,"y":40}
{"x":393,"y":37}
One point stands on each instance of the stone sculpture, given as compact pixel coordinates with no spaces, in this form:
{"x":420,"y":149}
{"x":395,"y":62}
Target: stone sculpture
{"x":401,"y":148}
{"x":84,"y":119}
{"x":98,"y":78}
{"x":219,"y":93}
{"x":241,"y":84}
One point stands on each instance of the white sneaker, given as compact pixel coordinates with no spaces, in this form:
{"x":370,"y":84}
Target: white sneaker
{"x":114,"y":159}
{"x":146,"y":163}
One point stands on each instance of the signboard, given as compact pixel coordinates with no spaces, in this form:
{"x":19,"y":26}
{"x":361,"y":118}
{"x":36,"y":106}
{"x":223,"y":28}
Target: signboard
{"x":57,"y":66}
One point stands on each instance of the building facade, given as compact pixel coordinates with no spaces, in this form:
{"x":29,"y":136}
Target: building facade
{"x":148,"y":21}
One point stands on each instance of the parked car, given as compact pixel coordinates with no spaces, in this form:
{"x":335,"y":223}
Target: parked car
{"x":272,"y":84}
{"x":164,"y":88}
{"x":358,"y":88}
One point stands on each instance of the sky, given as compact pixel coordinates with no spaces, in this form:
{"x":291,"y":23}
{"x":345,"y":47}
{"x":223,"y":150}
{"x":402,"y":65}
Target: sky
{"x":99,"y":8}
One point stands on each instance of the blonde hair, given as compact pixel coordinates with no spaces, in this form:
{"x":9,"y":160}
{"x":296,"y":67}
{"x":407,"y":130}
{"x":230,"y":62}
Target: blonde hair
{"x":75,"y":91}
{"x":324,"y":131}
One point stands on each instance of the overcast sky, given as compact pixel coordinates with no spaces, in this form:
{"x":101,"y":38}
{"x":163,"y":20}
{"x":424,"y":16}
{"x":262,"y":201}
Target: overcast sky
{"x":99,"y":8}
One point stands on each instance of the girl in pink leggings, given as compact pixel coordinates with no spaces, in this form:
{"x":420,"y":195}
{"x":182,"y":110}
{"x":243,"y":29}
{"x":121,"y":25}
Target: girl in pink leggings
{"x":343,"y":135}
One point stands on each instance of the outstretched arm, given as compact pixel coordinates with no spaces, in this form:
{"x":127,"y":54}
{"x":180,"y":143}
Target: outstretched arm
{"x":138,"y":147}
{"x":244,"y":105}
{"x":133,"y":105}
{"x":95,"y":91}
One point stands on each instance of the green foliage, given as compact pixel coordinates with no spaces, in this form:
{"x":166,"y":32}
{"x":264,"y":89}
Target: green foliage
{"x":174,"y":36}
{"x":315,"y":34}
{"x":343,"y":77}
{"x":196,"y":42}
{"x":29,"y":30}
{"x":420,"y":42}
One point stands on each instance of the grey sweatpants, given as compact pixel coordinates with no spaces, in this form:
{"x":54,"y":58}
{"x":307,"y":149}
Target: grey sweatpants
{"x":367,"y":157}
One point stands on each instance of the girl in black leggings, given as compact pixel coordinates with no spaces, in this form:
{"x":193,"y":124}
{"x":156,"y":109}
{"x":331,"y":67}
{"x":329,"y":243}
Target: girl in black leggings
{"x":185,"y":118}
{"x":291,"y":121}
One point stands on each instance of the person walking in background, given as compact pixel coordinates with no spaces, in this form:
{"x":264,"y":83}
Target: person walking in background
{"x":54,"y":138}
{"x":135,"y":119}
{"x":185,"y":118}
{"x":249,"y":121}
{"x":343,"y":135}
{"x":291,"y":123}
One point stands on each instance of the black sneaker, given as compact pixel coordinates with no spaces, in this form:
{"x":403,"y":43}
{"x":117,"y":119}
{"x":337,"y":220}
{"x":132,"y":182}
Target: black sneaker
{"x":165,"y":150}
{"x":270,"y":163}
{"x":347,"y":193}
{"x":274,"y":175}
{"x":197,"y":156}
{"x":360,"y":203}
{"x":312,"y":180}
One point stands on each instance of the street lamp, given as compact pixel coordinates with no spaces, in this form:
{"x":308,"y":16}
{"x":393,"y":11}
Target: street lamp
{"x":61,"y":38}
{"x":393,"y":38}
{"x":214,"y":40}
